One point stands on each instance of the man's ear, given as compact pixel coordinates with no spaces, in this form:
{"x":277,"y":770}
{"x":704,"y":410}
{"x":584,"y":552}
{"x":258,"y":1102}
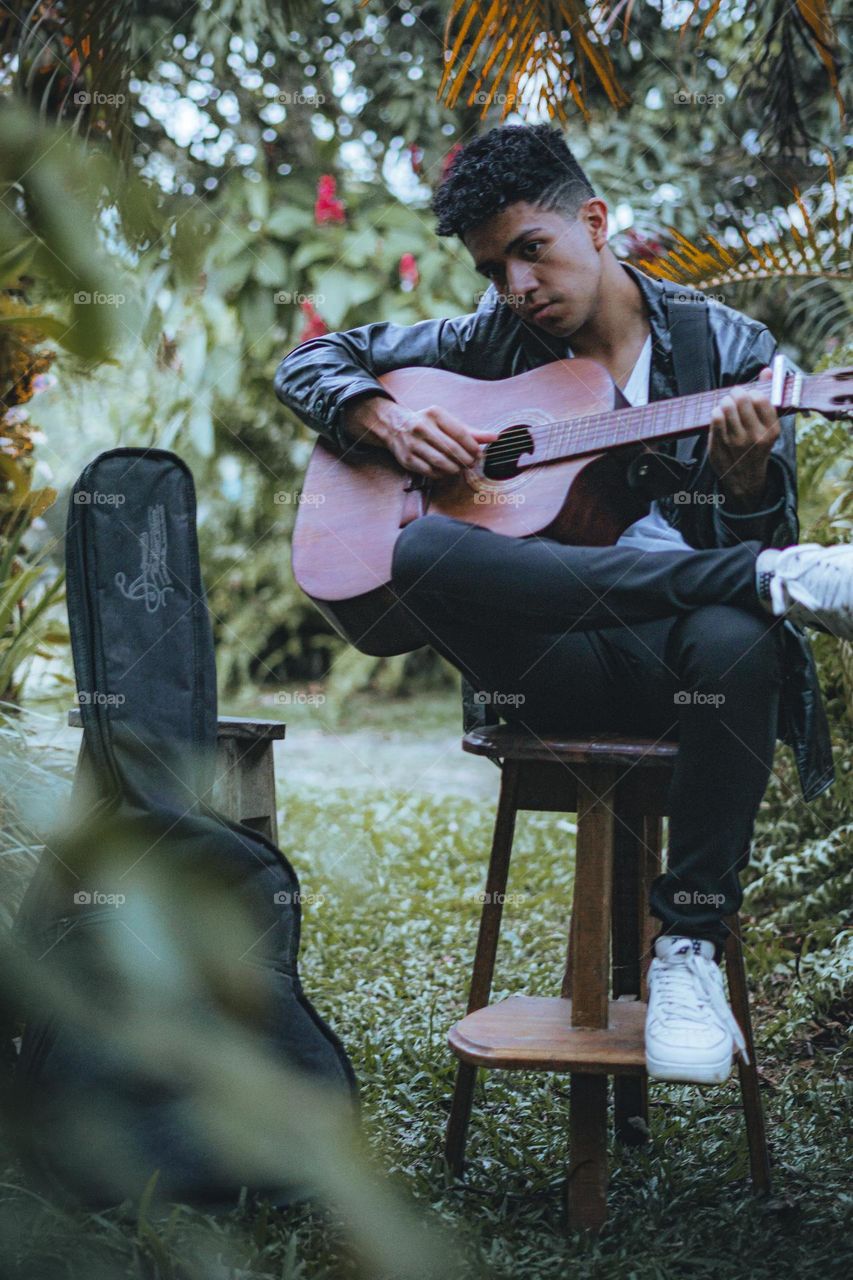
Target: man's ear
{"x":593,"y":212}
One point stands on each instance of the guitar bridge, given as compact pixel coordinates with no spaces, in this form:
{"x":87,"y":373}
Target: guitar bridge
{"x":416,"y":492}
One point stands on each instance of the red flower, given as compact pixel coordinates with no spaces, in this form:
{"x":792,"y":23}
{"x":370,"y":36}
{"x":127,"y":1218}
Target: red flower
{"x":408,"y":268}
{"x":315,"y":326}
{"x":447,"y":162}
{"x":416,"y":156}
{"x":327,"y":208}
{"x":641,"y":247}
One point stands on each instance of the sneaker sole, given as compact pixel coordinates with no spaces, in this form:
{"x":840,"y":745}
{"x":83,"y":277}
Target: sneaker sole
{"x":684,"y":1073}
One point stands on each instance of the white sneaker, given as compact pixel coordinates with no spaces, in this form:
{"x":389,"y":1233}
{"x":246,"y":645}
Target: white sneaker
{"x":811,"y":584}
{"x":690,"y":1030}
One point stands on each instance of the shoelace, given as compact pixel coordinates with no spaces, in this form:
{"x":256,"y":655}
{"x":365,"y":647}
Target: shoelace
{"x":678,"y":994}
{"x":784,"y":588}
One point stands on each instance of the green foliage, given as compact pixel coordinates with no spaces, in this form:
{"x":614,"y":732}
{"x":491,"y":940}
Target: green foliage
{"x":392,"y":877}
{"x":801,"y":873}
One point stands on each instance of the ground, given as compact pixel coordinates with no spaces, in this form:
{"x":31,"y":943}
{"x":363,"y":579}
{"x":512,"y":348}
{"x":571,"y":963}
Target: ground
{"x":388,"y":825}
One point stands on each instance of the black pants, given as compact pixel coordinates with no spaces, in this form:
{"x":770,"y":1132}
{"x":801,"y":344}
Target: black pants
{"x":664,"y":644}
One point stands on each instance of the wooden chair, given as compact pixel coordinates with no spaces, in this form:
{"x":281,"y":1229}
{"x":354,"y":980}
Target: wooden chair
{"x":595,"y":1028}
{"x":245,"y":770}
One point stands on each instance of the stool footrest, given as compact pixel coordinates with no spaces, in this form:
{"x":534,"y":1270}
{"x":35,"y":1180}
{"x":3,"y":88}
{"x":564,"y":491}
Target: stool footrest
{"x":536,"y":1032}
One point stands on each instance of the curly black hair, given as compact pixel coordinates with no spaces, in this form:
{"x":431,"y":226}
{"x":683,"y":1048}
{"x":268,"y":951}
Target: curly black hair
{"x":510,"y":163}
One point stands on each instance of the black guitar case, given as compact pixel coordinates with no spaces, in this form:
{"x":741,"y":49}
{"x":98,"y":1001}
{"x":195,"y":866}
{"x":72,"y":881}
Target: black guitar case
{"x":146,"y":680}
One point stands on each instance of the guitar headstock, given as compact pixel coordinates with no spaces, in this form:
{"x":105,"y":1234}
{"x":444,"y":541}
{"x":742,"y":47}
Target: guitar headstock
{"x":829,"y":393}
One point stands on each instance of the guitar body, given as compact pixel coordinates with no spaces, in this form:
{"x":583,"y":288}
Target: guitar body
{"x":353,"y":507}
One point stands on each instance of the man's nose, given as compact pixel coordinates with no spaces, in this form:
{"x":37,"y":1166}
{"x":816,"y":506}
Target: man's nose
{"x":520,"y":279}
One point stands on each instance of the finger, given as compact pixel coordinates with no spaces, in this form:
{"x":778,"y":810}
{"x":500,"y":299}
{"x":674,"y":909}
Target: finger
{"x":731,"y":429}
{"x":766,"y":374}
{"x":421,"y":429}
{"x":718,"y":427}
{"x":413,"y":455}
{"x":461,"y":446}
{"x":454,"y":427}
{"x":748,"y":425}
{"x":464,"y":447}
{"x":439,"y":463}
{"x":759,"y":417}
{"x":766,"y":413}
{"x":412,"y":463}
{"x":437,"y":438}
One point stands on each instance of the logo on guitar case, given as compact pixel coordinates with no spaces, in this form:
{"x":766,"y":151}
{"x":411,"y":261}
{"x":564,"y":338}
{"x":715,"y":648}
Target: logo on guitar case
{"x":153,"y":583}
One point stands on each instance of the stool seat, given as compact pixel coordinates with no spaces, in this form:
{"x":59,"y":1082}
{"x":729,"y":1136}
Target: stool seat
{"x":505,"y":743}
{"x":536,"y":1032}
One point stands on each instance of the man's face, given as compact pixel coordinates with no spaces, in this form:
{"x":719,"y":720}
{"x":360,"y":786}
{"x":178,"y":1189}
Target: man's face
{"x":534,"y":256}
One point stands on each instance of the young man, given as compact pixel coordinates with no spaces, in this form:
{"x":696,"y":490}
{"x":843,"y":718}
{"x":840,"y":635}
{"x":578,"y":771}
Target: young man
{"x":690,"y":626}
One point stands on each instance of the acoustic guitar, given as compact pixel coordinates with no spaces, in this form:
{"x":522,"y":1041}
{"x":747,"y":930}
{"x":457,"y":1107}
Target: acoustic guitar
{"x":557,"y":467}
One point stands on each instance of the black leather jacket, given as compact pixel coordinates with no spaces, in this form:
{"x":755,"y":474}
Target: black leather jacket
{"x":317,"y":378}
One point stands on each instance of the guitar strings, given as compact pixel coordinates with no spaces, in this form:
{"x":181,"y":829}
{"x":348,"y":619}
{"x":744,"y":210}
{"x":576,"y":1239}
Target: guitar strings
{"x":584,"y":438}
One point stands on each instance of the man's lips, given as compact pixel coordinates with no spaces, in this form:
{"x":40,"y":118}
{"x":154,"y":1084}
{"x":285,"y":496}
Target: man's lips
{"x":535,"y":312}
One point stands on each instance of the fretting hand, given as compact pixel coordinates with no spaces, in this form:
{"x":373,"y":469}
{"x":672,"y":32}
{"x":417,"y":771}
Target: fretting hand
{"x":743,"y":430}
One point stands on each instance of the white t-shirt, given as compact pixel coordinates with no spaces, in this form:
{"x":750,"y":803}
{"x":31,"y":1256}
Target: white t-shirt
{"x":651,"y":532}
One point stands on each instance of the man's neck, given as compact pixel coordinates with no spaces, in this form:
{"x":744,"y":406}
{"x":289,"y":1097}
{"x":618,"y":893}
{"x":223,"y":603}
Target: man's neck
{"x":620,"y":321}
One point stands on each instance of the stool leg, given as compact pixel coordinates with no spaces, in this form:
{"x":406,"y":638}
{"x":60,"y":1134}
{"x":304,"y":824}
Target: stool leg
{"x":586,"y":1190}
{"x":756,"y":1136}
{"x":592,"y":897}
{"x":587,"y":1180}
{"x":651,"y":858}
{"x":484,"y":959}
{"x":630,"y":1093}
{"x":460,"y":1114}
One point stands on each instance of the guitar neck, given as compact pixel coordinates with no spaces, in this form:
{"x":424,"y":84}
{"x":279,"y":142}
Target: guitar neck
{"x":594,"y":433}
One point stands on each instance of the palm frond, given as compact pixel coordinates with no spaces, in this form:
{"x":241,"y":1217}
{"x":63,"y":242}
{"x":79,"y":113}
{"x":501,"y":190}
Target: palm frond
{"x":794,"y":265}
{"x":780,"y":85}
{"x":810,"y":19}
{"x":816,"y":17}
{"x":707,"y":17}
{"x":777,"y":248}
{"x":555,"y":41}
{"x":563,"y":44}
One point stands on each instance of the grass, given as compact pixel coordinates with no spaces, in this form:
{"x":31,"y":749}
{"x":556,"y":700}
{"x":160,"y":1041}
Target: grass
{"x":387,"y":946}
{"x":400,"y":914}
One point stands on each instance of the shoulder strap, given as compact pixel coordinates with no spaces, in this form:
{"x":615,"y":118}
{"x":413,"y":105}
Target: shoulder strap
{"x":691,"y":356}
{"x":691,"y":342}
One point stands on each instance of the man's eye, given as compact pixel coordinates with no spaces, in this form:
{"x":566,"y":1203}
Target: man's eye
{"x":533,"y":244}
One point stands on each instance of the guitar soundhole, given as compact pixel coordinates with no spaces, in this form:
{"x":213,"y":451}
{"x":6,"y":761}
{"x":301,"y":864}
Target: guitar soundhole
{"x":501,"y":456}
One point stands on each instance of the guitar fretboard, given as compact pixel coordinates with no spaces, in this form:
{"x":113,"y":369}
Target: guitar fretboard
{"x":592,"y":433}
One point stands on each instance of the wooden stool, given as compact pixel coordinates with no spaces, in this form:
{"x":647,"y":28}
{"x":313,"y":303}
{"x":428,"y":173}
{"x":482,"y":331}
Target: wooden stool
{"x":595,"y":1027}
{"x":244,"y":790}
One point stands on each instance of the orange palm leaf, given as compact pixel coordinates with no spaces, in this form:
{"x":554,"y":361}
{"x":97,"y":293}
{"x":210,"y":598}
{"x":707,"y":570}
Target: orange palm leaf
{"x":821,"y":250}
{"x":518,"y":42}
